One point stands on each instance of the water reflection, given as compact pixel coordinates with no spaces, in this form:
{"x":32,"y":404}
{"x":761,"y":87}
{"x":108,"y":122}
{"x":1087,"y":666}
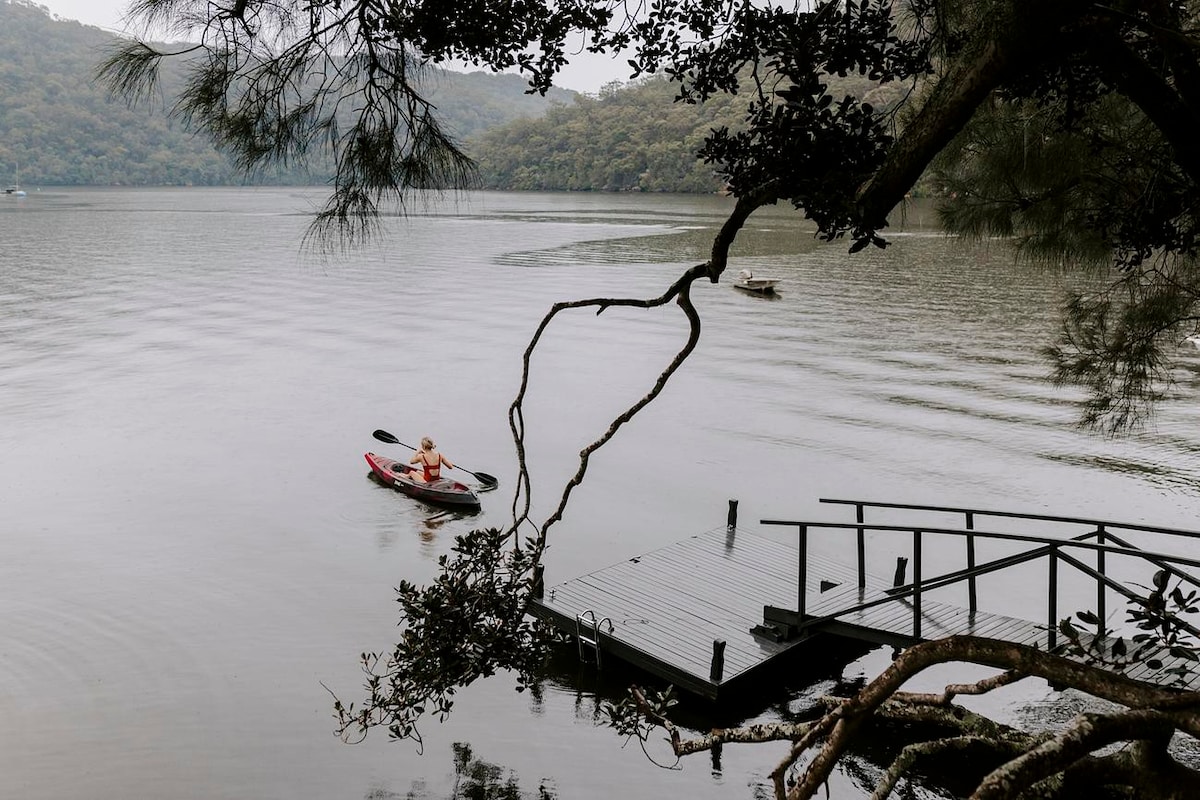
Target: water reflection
{"x":786,"y":691}
{"x":474,"y":779}
{"x":396,"y":516}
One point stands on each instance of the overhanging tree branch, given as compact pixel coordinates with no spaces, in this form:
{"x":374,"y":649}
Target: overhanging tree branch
{"x":1014,"y":36}
{"x":1154,"y":94}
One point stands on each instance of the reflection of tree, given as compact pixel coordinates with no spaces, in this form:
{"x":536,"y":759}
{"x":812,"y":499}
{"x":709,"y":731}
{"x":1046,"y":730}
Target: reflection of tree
{"x":474,"y":779}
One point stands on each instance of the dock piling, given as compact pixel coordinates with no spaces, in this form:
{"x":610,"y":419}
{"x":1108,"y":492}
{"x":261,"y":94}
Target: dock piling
{"x":717,"y":670}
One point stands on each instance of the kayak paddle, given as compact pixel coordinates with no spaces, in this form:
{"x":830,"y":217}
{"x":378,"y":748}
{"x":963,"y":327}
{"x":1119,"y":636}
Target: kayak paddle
{"x":488,"y":481}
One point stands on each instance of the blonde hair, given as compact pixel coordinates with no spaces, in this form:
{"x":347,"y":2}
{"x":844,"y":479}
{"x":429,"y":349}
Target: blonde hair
{"x":426,"y":443}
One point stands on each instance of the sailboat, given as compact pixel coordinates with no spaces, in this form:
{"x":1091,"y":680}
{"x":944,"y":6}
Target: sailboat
{"x":15,"y":190}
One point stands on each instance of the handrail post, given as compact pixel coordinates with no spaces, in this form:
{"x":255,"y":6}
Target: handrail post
{"x":971,"y":601}
{"x":1052,"y":641}
{"x":1101,"y":611}
{"x":802,"y":580}
{"x":862,"y":548}
{"x":916,"y":584}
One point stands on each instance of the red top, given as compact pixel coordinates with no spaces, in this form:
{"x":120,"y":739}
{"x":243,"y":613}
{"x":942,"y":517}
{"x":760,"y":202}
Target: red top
{"x":432,"y":471}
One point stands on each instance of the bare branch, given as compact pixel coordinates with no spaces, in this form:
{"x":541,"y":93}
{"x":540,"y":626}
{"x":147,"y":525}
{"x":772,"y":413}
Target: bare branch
{"x":954,"y":689}
{"x":679,"y":290}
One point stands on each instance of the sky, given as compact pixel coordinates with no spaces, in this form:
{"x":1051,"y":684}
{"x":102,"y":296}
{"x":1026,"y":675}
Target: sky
{"x":585,"y":73}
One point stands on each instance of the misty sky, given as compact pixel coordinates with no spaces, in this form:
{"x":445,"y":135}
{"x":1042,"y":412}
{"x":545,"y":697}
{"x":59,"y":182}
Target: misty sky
{"x":587,"y":73}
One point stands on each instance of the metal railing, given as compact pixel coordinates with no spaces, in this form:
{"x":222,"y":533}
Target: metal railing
{"x":1055,"y":550}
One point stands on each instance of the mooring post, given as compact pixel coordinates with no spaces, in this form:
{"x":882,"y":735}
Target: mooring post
{"x":731,"y":521}
{"x":901,"y":567}
{"x":717,"y":670}
{"x":539,"y":582}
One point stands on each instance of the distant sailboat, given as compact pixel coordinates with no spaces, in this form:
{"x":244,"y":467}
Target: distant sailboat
{"x":15,"y":190}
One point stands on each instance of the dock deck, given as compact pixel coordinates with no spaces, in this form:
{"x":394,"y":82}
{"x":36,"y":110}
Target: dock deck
{"x":668,"y":611}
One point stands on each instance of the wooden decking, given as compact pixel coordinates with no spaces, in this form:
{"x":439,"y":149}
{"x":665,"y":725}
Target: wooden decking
{"x":667,"y":607}
{"x":664,"y":610}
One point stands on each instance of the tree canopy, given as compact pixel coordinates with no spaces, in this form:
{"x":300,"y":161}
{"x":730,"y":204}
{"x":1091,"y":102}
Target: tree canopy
{"x":1067,"y":126}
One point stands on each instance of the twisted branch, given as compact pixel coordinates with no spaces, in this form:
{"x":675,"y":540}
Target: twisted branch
{"x":679,"y":290}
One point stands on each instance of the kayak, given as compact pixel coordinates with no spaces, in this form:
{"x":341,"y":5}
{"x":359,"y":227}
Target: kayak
{"x":443,"y":491}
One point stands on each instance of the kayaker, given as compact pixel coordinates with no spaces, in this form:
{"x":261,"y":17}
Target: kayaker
{"x":431,"y":462}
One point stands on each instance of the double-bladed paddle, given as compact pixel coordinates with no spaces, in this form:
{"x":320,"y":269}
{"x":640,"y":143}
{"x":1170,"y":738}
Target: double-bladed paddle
{"x":488,"y":481}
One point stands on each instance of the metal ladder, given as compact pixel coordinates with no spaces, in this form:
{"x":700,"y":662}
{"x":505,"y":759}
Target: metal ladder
{"x":587,"y":633}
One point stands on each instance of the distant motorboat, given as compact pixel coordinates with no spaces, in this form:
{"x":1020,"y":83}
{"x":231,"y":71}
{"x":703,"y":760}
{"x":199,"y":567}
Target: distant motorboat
{"x":748,"y":283}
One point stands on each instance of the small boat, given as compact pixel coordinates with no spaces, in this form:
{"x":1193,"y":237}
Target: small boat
{"x":748,"y":283}
{"x":15,"y":190}
{"x":442,"y":492}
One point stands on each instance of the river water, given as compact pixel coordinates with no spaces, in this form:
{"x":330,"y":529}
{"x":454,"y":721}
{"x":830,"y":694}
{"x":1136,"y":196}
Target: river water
{"x":190,"y":549}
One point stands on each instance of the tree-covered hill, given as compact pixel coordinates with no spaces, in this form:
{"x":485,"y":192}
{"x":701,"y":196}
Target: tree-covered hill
{"x":58,"y":124}
{"x":631,"y":138}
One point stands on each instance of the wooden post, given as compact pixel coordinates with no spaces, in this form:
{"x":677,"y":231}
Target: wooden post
{"x":971,"y":603}
{"x":731,"y":520}
{"x":862,"y":547}
{"x":539,"y":581}
{"x":717,"y":670}
{"x":1101,"y":589}
{"x":916,"y":584}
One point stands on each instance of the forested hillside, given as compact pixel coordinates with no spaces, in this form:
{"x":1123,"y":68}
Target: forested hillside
{"x":60,"y":127}
{"x":632,"y":138}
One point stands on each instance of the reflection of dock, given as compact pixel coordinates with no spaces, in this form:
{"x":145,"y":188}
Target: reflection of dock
{"x":713,"y":609}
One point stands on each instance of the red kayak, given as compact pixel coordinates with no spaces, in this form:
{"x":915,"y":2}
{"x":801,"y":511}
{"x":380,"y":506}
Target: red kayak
{"x":443,"y":491}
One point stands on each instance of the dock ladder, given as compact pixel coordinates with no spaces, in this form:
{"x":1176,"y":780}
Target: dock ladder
{"x":587,"y":633}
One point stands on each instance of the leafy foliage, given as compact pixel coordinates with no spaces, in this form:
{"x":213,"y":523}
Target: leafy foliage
{"x":1119,"y":342}
{"x":1162,"y":633}
{"x":468,"y":624}
{"x":275,"y":81}
{"x":815,"y":147}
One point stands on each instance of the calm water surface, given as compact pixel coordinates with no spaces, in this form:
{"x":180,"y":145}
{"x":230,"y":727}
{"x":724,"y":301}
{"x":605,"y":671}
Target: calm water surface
{"x":190,"y":549}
